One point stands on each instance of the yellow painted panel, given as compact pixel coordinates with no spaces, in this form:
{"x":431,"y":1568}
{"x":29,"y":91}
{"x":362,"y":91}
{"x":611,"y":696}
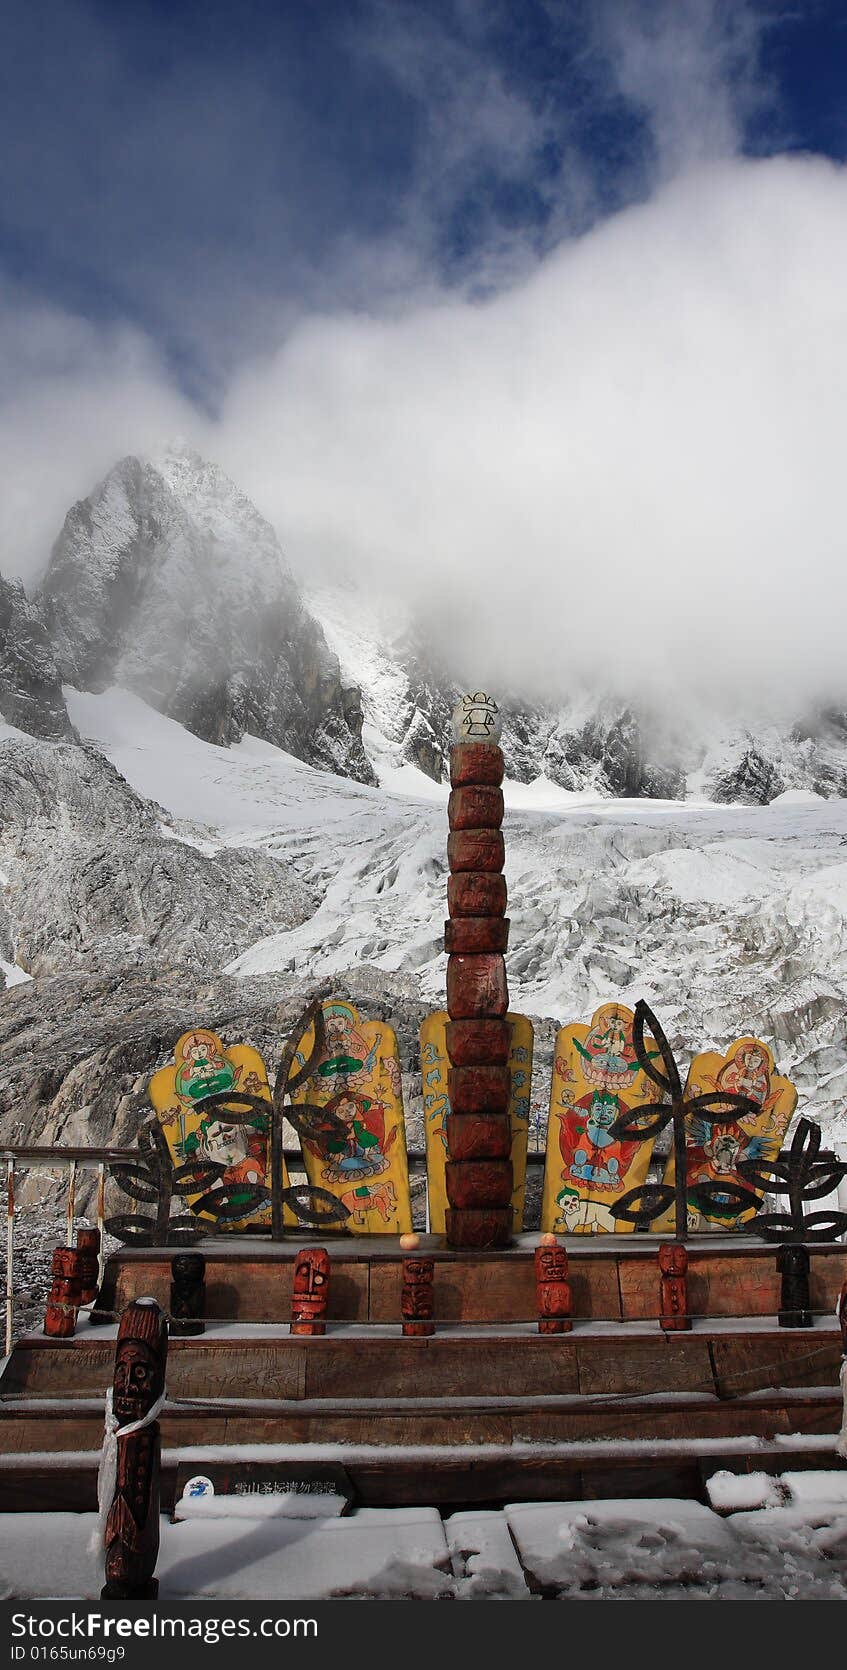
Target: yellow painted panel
{"x":713,"y":1151}
{"x":202,"y":1067}
{"x":595,"y":1079}
{"x":434,"y":1067}
{"x":358,"y":1079}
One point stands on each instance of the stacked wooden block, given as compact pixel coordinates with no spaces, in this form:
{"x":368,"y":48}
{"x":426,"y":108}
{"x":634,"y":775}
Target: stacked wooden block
{"x":479,"y":1167}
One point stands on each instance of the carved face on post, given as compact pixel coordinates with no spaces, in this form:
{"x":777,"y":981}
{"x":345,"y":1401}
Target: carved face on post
{"x":310,"y":1286}
{"x":551,"y":1264}
{"x":139,"y":1361}
{"x":673,"y":1259}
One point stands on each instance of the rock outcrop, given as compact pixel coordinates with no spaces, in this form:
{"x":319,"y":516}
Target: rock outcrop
{"x":30,"y":687}
{"x":96,"y":877}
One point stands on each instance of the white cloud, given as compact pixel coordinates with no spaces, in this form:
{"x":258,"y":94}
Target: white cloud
{"x":629,"y":466}
{"x":74,"y":398}
{"x":632,"y":462}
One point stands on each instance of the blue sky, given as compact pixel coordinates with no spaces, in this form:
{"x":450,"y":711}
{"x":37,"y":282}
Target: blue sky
{"x":512,"y":311}
{"x":208,"y":171}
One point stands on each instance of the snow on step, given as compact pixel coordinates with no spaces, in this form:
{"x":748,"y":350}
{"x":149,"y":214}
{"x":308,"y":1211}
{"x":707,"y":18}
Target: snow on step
{"x":563,"y":1545}
{"x":397,"y":1554}
{"x":485,"y":1561}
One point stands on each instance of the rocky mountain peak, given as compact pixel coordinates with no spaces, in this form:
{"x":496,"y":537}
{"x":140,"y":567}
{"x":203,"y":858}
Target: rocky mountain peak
{"x":167,"y":580}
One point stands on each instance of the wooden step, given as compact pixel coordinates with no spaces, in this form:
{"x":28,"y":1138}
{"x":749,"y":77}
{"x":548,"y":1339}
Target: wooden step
{"x":44,"y":1425}
{"x":460,"y":1476}
{"x":380,"y":1363}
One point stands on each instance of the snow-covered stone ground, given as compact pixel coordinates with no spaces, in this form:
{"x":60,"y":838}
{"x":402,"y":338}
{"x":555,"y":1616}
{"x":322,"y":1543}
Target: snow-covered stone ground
{"x":791,"y":1547}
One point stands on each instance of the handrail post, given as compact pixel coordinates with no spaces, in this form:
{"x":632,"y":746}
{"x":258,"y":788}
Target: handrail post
{"x":71,"y":1202}
{"x":10,"y":1251}
{"x":101,"y":1209}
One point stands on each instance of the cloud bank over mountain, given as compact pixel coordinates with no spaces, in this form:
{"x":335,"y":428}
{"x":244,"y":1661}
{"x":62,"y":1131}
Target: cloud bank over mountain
{"x":577,"y":400}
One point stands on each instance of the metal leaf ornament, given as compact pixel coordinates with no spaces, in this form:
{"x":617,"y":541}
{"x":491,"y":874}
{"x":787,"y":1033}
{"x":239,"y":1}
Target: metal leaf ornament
{"x":643,"y":1205}
{"x":315,"y":1207}
{"x":153,"y":1178}
{"x":803,"y":1172}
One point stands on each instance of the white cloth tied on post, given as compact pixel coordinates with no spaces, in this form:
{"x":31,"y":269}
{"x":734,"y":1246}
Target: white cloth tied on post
{"x":107,"y":1472}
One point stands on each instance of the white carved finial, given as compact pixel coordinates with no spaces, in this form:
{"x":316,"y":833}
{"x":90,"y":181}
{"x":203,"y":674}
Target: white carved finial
{"x":476,"y":718}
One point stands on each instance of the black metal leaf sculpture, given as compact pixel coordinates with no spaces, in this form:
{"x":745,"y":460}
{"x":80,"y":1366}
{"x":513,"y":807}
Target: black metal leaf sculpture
{"x":643,"y":1205}
{"x":804,"y":1172}
{"x":153,"y":1179}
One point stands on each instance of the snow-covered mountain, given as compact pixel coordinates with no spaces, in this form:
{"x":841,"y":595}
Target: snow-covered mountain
{"x":726,"y":919}
{"x":239,"y":795}
{"x":591,"y":741}
{"x":167,"y":581}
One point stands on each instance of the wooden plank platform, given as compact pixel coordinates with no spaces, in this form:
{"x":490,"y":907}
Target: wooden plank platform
{"x":44,"y":1424}
{"x":382,"y":1363}
{"x":486,"y":1409}
{"x":460,"y":1476}
{"x":613,"y":1278}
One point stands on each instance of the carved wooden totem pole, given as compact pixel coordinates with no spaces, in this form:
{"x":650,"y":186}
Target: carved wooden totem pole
{"x":673,"y":1308}
{"x":310,"y":1291}
{"x":131,"y":1533}
{"x":188,"y":1294}
{"x":552,"y":1289}
{"x":479,"y":1168}
{"x":416,"y":1302}
{"x":65,"y":1294}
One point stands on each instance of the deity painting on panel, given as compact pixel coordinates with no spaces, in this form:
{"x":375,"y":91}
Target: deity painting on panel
{"x":359,"y":1156}
{"x":596,"y":1079}
{"x":712,"y":1151}
{"x":203,"y":1067}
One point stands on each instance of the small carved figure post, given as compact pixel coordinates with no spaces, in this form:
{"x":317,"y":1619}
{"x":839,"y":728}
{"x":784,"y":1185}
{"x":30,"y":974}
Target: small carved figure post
{"x":88,"y":1247}
{"x":188,"y":1294}
{"x":416,"y":1299}
{"x":65,"y":1294}
{"x":792,"y":1262}
{"x":479,"y":1167}
{"x":673,"y":1296}
{"x":553,"y":1299}
{"x":131,"y":1532}
{"x":310,"y":1291}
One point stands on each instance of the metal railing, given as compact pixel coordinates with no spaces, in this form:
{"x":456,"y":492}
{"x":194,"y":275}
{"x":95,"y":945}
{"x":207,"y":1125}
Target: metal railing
{"x":52,"y":1159}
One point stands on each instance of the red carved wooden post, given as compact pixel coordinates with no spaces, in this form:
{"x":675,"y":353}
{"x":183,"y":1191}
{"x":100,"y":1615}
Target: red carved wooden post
{"x":65,"y":1294}
{"x":310,"y":1291}
{"x":673,"y":1308}
{"x":88,"y":1247}
{"x":416,"y":1302}
{"x":131,"y":1533}
{"x":479,"y":1139}
{"x":553,"y":1299}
